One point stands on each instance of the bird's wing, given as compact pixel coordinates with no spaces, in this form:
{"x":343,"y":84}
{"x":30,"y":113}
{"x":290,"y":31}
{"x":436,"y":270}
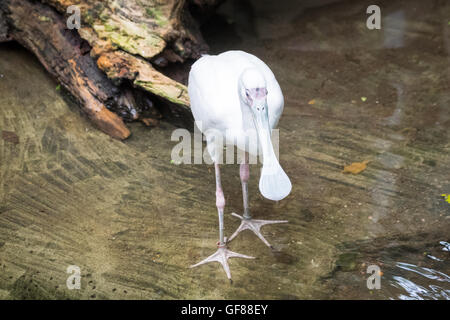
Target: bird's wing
{"x":213,"y":93}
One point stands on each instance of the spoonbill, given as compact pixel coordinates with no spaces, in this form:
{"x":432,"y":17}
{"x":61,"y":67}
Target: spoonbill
{"x":231,"y":94}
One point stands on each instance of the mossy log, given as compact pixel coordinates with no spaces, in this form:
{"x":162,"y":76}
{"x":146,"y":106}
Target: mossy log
{"x":120,"y":61}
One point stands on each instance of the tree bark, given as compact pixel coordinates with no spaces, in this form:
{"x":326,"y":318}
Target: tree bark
{"x":3,"y":28}
{"x":119,"y":62}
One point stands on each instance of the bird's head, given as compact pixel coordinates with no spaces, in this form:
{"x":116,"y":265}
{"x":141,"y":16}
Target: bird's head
{"x":253,"y":91}
{"x":253,"y":96}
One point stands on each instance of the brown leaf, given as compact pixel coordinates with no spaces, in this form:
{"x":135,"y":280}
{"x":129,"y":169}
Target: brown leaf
{"x":149,"y":122}
{"x":10,"y":136}
{"x":356,"y":167}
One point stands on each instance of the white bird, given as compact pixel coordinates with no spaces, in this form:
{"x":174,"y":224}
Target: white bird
{"x":233,"y":94}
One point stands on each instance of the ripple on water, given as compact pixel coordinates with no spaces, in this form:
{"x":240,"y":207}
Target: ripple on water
{"x":415,"y":291}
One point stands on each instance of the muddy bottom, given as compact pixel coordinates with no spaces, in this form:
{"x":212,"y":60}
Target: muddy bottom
{"x":133,"y":221}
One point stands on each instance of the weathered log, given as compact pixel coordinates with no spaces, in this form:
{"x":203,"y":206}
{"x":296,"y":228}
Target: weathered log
{"x":136,"y":33}
{"x":122,"y":49}
{"x":40,"y":29}
{"x":3,"y":28}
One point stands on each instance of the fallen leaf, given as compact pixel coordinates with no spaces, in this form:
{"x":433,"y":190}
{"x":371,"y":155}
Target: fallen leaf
{"x":10,"y":136}
{"x":312,"y":101}
{"x":356,"y":167}
{"x":363,"y":99}
{"x":149,"y":122}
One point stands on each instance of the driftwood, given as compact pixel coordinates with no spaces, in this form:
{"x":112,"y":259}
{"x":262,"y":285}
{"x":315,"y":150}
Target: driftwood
{"x":3,"y":28}
{"x":121,"y":59}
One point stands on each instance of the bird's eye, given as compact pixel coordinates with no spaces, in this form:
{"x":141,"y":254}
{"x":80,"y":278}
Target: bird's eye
{"x":246,"y":93}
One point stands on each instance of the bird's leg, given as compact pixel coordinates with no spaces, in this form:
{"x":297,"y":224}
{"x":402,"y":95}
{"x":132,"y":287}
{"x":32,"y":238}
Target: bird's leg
{"x":247,"y":221}
{"x":220,"y":204}
{"x":222,"y":254}
{"x":244,"y":173}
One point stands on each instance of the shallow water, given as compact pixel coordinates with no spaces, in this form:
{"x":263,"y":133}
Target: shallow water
{"x":133,"y":221}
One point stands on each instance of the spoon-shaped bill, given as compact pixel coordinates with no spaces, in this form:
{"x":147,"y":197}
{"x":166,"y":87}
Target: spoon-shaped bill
{"x":274,"y":184}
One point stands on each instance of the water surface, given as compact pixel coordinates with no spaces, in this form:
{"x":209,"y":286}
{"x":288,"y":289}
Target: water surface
{"x":133,"y":221}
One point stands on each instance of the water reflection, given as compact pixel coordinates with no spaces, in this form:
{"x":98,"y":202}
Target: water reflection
{"x":415,"y":291}
{"x":426,"y":272}
{"x":446,"y":246}
{"x":394,"y":29}
{"x":413,"y":268}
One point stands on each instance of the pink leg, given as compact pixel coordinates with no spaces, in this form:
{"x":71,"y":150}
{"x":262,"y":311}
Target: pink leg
{"x":244,"y":172}
{"x":220,"y":203}
{"x":247,"y":221}
{"x":222,"y":254}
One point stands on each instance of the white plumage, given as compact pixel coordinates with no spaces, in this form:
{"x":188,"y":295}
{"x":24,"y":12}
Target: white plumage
{"x":236,"y":100}
{"x":217,"y":90}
